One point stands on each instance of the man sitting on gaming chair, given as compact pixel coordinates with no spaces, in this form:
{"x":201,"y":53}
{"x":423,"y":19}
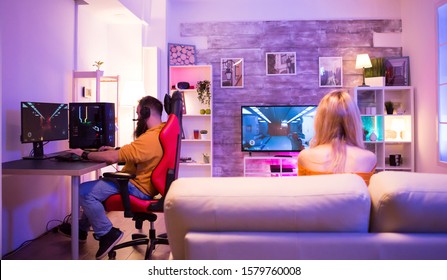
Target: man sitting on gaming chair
{"x":140,"y":157}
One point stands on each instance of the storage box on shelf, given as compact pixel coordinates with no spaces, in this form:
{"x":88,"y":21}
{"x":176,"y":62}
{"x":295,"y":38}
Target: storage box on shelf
{"x":270,"y":166}
{"x":388,"y":133}
{"x":197,"y":151}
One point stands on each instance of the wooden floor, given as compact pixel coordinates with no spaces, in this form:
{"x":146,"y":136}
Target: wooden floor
{"x":55,"y":246}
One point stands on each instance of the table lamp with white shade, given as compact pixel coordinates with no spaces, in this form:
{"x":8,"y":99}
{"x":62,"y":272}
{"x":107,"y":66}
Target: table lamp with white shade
{"x":363,"y":61}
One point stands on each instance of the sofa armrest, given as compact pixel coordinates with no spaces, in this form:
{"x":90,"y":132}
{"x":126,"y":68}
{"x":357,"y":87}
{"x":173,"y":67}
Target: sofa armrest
{"x":408,"y":202}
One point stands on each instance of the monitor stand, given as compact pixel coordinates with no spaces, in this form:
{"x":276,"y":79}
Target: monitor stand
{"x":37,"y":151}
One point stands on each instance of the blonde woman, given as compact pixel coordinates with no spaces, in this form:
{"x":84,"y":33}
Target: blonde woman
{"x":337,"y":146}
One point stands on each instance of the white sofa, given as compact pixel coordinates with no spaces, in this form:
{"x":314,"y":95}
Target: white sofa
{"x":401,"y":215}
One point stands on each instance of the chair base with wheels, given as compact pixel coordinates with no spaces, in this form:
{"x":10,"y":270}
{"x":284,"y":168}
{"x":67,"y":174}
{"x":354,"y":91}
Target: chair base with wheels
{"x":151,"y":240}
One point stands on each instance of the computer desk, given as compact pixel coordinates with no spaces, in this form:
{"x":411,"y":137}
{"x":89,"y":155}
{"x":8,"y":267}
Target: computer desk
{"x":58,"y":168}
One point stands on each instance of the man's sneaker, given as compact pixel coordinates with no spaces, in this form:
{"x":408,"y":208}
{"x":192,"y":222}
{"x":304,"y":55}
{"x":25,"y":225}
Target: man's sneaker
{"x":108,"y":241}
{"x":65,"y":229}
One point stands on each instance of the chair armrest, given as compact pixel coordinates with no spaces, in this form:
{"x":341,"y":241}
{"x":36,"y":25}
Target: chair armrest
{"x":122,"y":179}
{"x":119,"y":175}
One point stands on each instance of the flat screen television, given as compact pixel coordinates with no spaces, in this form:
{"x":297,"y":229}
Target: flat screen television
{"x":42,"y":122}
{"x":279,"y":128}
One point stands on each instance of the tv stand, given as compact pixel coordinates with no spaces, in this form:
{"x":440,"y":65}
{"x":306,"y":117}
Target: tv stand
{"x":270,"y":166}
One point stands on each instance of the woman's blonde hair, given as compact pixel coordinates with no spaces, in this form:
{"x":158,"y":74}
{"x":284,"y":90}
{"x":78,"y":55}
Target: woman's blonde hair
{"x":337,"y":122}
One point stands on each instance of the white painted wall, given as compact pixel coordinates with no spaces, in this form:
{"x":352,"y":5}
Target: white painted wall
{"x":155,"y":36}
{"x":420,"y":43}
{"x":37,"y":60}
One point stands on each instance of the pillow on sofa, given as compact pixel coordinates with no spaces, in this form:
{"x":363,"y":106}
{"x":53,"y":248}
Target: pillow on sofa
{"x":408,"y":202}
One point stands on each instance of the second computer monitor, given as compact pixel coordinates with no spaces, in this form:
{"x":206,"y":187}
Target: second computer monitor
{"x":92,"y":125}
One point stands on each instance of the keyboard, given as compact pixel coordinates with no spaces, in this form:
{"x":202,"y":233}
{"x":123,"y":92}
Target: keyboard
{"x":68,"y":157}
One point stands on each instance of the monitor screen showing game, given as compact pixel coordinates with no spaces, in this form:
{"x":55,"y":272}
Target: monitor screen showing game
{"x":287,"y":128}
{"x":92,"y":125}
{"x":42,"y":122}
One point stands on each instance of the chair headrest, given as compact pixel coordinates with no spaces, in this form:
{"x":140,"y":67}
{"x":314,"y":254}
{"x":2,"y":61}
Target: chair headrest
{"x":173,"y":104}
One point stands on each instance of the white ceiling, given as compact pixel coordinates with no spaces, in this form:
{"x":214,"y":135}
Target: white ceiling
{"x":111,"y":11}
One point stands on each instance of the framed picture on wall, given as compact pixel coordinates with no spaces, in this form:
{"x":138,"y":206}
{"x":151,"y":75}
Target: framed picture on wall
{"x":397,"y":71}
{"x":232,"y":72}
{"x":330,"y":71}
{"x":280,"y":63}
{"x":180,"y":54}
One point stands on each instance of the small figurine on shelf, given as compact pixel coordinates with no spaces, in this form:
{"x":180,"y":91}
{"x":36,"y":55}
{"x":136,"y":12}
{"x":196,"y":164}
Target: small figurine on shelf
{"x":373,"y":136}
{"x":98,"y":64}
{"x":206,"y":158}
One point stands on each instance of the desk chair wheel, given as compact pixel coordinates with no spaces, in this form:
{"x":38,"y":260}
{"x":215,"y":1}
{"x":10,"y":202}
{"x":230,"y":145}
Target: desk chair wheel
{"x":112,"y":255}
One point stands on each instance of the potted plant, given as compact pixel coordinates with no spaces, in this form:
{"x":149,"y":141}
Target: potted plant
{"x":375,"y":75}
{"x":98,"y":64}
{"x":389,"y":106}
{"x":203,"y":133}
{"x":204,"y":95}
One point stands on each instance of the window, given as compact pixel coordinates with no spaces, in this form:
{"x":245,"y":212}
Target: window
{"x":442,"y":82}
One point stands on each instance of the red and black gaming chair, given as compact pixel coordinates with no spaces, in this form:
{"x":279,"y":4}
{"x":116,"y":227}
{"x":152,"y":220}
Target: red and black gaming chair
{"x":162,"y":176}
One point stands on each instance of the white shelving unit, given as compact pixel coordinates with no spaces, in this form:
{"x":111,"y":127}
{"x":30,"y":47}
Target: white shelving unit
{"x":388,"y":134}
{"x":93,"y":86}
{"x":270,"y":166}
{"x":193,"y":120}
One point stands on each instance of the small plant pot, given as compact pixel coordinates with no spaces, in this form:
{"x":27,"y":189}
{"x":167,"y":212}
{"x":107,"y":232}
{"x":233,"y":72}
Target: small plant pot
{"x":389,"y":107}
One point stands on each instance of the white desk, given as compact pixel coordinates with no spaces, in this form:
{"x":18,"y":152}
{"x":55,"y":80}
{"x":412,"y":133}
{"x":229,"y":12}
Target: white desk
{"x":58,"y":168}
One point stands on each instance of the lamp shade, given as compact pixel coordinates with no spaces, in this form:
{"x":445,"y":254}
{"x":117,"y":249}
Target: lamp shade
{"x":398,"y":124}
{"x":363,"y":61}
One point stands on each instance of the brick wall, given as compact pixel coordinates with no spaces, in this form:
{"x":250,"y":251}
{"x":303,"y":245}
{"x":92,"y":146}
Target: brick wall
{"x":250,"y":41}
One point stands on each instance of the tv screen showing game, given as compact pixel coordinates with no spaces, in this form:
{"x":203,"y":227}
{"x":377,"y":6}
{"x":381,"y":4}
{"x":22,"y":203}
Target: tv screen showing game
{"x":287,"y":128}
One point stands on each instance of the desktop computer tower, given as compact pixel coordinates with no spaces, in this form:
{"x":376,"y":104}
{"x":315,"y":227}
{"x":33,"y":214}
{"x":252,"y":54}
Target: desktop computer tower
{"x":91,"y":125}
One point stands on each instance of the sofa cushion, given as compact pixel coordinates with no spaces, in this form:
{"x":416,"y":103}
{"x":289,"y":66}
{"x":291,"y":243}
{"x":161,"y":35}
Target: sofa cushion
{"x":408,"y":202}
{"x":315,"y":246}
{"x":334,"y":203}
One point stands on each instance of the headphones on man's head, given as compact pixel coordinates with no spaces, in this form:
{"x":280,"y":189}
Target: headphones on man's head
{"x":145,"y":112}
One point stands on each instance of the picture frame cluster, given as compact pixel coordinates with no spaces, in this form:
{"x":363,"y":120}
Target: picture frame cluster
{"x":330,"y":69}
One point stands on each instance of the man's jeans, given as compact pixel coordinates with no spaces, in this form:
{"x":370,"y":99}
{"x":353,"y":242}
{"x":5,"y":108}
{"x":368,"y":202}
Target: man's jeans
{"x":91,"y":196}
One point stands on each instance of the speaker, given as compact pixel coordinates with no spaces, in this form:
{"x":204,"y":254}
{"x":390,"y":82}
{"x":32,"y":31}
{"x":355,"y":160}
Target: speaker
{"x":182,"y":85}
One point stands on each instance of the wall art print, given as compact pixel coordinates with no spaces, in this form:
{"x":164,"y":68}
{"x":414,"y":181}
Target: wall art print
{"x":232,"y":72}
{"x":180,"y":54}
{"x":397,"y":71}
{"x":280,"y":63}
{"x":330,"y":71}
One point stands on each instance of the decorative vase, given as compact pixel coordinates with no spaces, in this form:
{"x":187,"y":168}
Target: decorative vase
{"x":373,"y":136}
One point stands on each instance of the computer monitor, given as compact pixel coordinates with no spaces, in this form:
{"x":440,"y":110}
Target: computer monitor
{"x":92,"y":125}
{"x":42,"y":122}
